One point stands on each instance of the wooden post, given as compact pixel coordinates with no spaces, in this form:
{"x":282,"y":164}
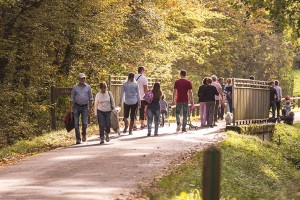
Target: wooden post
{"x":211,"y":174}
{"x":53,"y":114}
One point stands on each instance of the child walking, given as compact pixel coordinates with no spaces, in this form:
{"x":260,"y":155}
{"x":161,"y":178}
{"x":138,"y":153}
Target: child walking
{"x":154,"y":109}
{"x":163,"y":109}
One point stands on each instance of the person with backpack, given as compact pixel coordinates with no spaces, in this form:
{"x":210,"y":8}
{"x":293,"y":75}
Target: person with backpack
{"x":132,"y":101}
{"x":182,"y":92}
{"x":153,"y":108}
{"x":104,"y":104}
{"x":142,"y":81}
{"x":203,"y":113}
{"x":228,"y":95}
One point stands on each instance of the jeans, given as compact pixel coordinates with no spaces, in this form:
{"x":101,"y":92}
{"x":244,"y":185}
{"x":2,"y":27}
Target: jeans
{"x":203,"y":113}
{"x":83,"y":111}
{"x":103,"y":121}
{"x":210,"y":110}
{"x":184,"y":106}
{"x":153,"y":113}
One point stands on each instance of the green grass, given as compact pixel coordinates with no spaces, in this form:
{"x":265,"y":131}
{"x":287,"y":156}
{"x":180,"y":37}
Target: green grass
{"x":251,"y":169}
{"x":44,"y":143}
{"x":296,"y":91}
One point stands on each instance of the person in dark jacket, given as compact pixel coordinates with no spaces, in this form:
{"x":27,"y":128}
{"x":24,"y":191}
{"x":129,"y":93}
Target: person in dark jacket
{"x":228,"y":95}
{"x":273,"y":98}
{"x":209,"y":94}
{"x":203,"y":113}
{"x":154,"y":109}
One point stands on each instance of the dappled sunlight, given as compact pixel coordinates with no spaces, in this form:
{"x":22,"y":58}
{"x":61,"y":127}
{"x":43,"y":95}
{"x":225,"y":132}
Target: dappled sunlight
{"x":136,"y":154}
{"x":267,"y":171}
{"x":73,"y":157}
{"x":65,"y":189}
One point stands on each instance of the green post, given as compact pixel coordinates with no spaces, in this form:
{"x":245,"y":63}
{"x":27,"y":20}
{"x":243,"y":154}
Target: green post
{"x":211,"y":174}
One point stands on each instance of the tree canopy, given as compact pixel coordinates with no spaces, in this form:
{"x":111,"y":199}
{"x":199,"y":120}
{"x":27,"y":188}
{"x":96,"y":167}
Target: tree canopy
{"x":47,"y":43}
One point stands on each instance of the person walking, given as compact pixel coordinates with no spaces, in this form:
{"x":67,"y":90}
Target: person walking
{"x":273,"y":98}
{"x":228,"y":95}
{"x":279,"y":97}
{"x":104,"y":104}
{"x":142,"y":80}
{"x":81,"y":101}
{"x":209,"y":94}
{"x":163,"y":109}
{"x":222,"y":103}
{"x":219,"y":97}
{"x":132,"y":101}
{"x":201,"y":96}
{"x":182,"y":92}
{"x":153,"y":110}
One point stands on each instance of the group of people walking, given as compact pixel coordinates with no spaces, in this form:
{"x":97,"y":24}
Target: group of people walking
{"x":133,"y":92}
{"x":135,"y":96}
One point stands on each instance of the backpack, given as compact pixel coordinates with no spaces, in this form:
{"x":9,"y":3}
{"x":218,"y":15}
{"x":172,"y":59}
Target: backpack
{"x":149,"y":96}
{"x":228,"y":95}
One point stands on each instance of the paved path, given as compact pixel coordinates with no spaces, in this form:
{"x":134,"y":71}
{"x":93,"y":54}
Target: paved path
{"x":94,"y":171}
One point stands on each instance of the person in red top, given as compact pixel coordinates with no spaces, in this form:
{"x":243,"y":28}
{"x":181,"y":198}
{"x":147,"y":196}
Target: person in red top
{"x":182,"y":92}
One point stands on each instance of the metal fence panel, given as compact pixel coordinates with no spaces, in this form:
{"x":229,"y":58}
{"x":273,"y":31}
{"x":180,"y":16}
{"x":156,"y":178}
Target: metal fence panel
{"x":251,"y":100}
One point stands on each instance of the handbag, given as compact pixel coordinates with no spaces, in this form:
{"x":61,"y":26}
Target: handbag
{"x":69,"y":121}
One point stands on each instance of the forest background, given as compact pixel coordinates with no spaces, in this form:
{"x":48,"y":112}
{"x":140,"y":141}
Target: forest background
{"x":46,"y":43}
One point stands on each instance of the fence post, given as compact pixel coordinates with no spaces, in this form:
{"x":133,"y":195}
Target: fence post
{"x":211,"y":174}
{"x":53,"y":115}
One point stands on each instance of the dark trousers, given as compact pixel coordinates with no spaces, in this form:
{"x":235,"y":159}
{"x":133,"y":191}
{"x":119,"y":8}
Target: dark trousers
{"x":142,"y":109}
{"x":273,"y":106}
{"x":130,"y":109}
{"x":210,"y":111}
{"x":278,"y":106}
{"x":216,"y":111}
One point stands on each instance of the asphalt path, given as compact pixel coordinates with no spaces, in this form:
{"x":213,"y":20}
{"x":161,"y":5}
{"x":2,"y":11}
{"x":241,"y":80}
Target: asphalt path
{"x":114,"y":170}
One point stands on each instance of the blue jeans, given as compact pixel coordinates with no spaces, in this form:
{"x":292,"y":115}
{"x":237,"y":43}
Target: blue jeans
{"x":103,"y":121}
{"x":184,"y":106}
{"x":153,"y":113}
{"x":83,"y":111}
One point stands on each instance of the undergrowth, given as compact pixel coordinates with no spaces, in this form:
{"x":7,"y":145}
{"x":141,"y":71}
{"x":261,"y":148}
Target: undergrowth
{"x":250,"y":169}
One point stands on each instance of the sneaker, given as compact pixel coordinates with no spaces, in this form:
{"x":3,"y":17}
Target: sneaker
{"x":184,"y":130}
{"x":155,"y":134}
{"x":178,"y":127}
{"x":83,"y":138}
{"x":107,"y":139}
{"x":149,"y":134}
{"x":78,"y":141}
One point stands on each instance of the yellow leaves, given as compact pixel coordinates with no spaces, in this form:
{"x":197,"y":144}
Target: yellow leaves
{"x":193,"y":195}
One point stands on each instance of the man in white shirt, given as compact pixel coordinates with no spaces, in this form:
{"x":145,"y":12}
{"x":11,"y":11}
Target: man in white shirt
{"x":142,"y":80}
{"x":279,"y":96}
{"x":218,"y":98}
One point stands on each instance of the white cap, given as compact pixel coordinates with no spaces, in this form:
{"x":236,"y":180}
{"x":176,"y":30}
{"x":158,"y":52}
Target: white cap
{"x":81,"y":75}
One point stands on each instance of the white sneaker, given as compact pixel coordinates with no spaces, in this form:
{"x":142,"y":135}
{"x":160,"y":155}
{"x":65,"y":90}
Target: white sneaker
{"x":178,"y":127}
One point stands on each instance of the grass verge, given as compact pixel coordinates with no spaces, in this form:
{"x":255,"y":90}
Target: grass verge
{"x":44,"y":143}
{"x":251,"y":169}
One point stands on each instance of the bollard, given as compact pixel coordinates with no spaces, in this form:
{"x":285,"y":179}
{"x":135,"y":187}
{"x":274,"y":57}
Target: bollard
{"x":211,"y":174}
